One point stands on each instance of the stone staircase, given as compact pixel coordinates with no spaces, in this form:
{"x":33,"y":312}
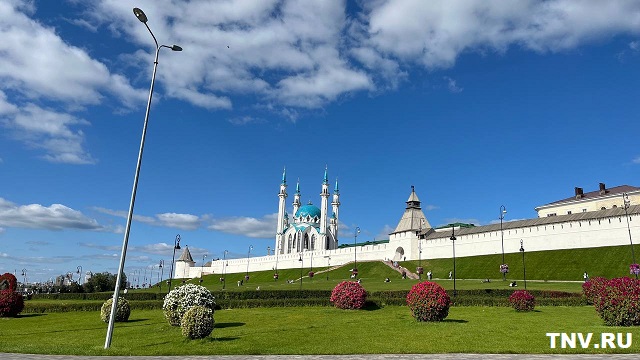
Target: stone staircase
{"x":410,"y":274}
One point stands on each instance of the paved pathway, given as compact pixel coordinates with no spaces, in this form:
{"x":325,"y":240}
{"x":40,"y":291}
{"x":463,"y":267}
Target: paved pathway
{"x":4,"y":356}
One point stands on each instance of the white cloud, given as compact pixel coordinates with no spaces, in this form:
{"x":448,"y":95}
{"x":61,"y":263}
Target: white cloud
{"x":452,"y":86}
{"x":36,"y":216}
{"x":384,"y":233}
{"x":430,"y":207}
{"x":172,"y":220}
{"x":636,"y":160}
{"x":634,"y":45}
{"x":435,"y":33}
{"x":247,"y":226}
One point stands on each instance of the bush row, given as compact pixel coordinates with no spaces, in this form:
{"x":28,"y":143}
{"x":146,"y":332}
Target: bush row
{"x":93,"y":305}
{"x":135,"y":296}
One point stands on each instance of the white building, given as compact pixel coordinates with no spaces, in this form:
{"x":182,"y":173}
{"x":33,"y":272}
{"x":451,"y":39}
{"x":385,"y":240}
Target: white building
{"x":309,"y":238}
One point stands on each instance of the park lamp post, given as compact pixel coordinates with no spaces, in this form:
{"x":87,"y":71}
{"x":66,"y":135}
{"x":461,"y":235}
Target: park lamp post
{"x":627,"y":203}
{"x":453,"y":243}
{"x":524,"y":269}
{"x":143,"y":18}
{"x":276,"y":250}
{"x":24,"y":279}
{"x":176,"y":246}
{"x":301,"y":266}
{"x":503,"y":210}
{"x":420,"y":270}
{"x":246,"y":277}
{"x":355,"y":254}
{"x":79,"y":271}
{"x":202,"y":269}
{"x":224,"y":268}
{"x":161,"y":266}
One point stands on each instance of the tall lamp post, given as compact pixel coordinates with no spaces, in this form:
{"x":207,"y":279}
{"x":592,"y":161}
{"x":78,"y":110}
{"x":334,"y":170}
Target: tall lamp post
{"x":202,"y":269}
{"x":301,"y":265}
{"x":144,"y":278}
{"x":524,"y":269}
{"x":627,"y":203}
{"x":143,"y":18}
{"x":24,"y":279}
{"x":224,"y":268}
{"x":503,"y":210}
{"x":246,"y":277}
{"x":420,"y":270}
{"x":268,"y":250}
{"x":79,"y":271}
{"x":176,"y":246}
{"x":161,"y":266}
{"x":355,"y":254}
{"x":453,"y":243}
{"x":277,"y":250}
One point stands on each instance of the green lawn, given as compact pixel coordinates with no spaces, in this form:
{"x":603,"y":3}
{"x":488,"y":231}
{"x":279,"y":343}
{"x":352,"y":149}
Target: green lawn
{"x":309,"y":330}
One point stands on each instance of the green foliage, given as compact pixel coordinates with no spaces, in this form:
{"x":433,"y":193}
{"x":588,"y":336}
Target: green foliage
{"x":428,"y":301}
{"x":103,"y":282}
{"x":11,"y":303}
{"x":522,"y":300}
{"x":197,"y":322}
{"x":348,"y":295}
{"x":182,"y":298}
{"x":123,"y":310}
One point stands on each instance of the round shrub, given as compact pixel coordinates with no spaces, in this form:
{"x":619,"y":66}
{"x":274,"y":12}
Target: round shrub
{"x":618,"y":302}
{"x":197,"y":322}
{"x":11,"y":303}
{"x":522,"y":300}
{"x":182,"y":298}
{"x":348,"y":295}
{"x":428,"y":301}
{"x":593,"y":287}
{"x":123,"y":310}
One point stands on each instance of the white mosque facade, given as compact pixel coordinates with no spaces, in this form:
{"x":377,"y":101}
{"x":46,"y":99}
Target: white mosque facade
{"x":311,"y":238}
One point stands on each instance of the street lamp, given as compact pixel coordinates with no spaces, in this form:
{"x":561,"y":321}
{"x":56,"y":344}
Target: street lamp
{"x":24,"y":279}
{"x":627,"y":203}
{"x":144,"y":281}
{"x":355,"y":249}
{"x":268,"y":250}
{"x":224,"y":268}
{"x":202,"y":270}
{"x":277,"y":250}
{"x":79,"y":271}
{"x":143,"y":18}
{"x":503,"y":210}
{"x":161,"y":266}
{"x":524,"y":269}
{"x":301,"y":265}
{"x":420,"y":270}
{"x":246,"y":277}
{"x":453,"y":243}
{"x":176,"y":246}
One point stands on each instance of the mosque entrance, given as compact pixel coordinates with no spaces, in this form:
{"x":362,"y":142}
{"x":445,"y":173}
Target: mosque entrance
{"x":399,"y":254}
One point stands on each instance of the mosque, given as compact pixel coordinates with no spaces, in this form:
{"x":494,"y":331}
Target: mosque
{"x":604,"y":217}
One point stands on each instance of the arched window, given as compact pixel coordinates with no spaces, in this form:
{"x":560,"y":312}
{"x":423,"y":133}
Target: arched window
{"x":313,"y":242}
{"x":306,"y":241}
{"x":290,"y":244}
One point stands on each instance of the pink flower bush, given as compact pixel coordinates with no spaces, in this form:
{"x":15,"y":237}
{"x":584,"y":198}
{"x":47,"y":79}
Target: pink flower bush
{"x":428,"y":301}
{"x":593,"y":287}
{"x":618,"y":302}
{"x":522,"y":300}
{"x":11,"y":303}
{"x":348,"y":295}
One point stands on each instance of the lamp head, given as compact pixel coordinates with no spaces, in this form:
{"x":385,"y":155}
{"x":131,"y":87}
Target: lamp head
{"x":140,"y":15}
{"x":452,"y":238}
{"x":176,"y":48}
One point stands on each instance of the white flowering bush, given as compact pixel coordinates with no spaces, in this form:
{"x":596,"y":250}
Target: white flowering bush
{"x":182,"y":298}
{"x":123,"y":310}
{"x":197,"y":322}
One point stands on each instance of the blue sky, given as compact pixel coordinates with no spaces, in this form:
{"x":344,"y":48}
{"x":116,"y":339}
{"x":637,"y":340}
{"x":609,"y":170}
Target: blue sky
{"x":476,"y":104}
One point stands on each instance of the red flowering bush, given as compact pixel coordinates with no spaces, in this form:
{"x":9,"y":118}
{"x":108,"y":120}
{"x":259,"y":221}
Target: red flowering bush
{"x":348,"y":295}
{"x":428,"y":301}
{"x":618,"y":302}
{"x":11,"y":303}
{"x":9,"y":281}
{"x":522,"y":300}
{"x":593,"y":287}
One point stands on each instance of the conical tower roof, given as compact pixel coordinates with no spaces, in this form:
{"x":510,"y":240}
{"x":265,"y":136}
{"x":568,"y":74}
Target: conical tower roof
{"x":186,"y":255}
{"x":413,"y":218}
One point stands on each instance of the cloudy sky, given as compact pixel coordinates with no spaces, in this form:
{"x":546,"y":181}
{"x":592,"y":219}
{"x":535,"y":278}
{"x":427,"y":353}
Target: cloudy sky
{"x":476,"y":103}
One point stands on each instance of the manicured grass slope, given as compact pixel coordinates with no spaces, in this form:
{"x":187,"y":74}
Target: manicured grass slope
{"x":609,"y":262}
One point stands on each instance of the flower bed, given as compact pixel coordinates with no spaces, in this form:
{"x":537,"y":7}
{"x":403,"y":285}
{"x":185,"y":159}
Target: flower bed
{"x":522,"y":300}
{"x":348,"y":295}
{"x":428,"y":301}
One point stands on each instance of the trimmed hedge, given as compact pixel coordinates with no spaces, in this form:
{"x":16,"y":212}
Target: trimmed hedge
{"x":131,"y":296}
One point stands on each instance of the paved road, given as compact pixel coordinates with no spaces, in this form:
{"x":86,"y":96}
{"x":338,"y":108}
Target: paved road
{"x":4,"y":356}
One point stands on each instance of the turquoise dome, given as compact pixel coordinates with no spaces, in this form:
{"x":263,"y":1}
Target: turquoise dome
{"x":310,"y":210}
